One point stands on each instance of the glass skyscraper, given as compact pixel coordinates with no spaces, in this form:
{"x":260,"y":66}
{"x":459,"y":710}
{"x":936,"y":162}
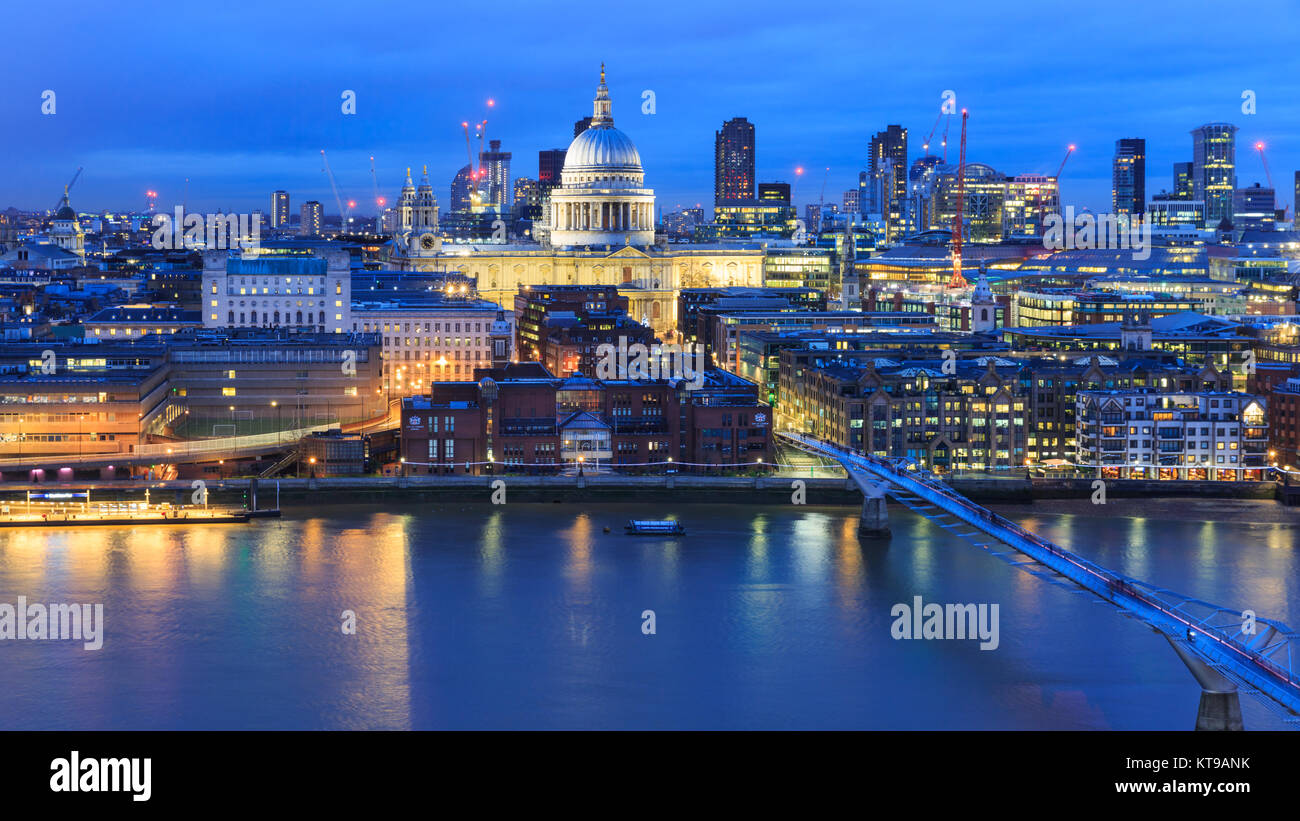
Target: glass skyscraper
{"x":1214,"y":171}
{"x":1128,"y":191}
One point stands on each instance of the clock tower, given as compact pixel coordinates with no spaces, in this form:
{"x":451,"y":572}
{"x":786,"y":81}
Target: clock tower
{"x":417,"y":237}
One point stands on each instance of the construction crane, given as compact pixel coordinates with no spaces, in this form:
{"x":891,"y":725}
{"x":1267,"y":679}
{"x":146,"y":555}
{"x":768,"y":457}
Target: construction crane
{"x":333,"y":185}
{"x":925,"y":146}
{"x":821,"y":201}
{"x":68,"y":187}
{"x":1061,"y":167}
{"x":1268,"y":175}
{"x":476,"y":171}
{"x":380,"y":202}
{"x":469,"y":163}
{"x":959,"y":281}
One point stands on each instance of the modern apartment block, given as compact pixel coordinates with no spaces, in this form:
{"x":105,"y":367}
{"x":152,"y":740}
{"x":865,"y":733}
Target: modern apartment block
{"x":1147,"y":434}
{"x":733,"y":161}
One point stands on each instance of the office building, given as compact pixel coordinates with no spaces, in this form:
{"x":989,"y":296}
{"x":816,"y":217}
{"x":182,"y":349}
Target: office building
{"x":494,"y":187}
{"x":888,"y":170}
{"x":526,"y":203}
{"x":1253,"y":209}
{"x":1128,"y":191}
{"x":1184,"y":188}
{"x":550,"y":164}
{"x":308,"y":290}
{"x":1214,"y":170}
{"x":430,"y":337}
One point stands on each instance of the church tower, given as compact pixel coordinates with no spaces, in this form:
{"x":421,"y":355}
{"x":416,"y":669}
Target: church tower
{"x":425,"y":207}
{"x":406,"y":206}
{"x":983,"y":307}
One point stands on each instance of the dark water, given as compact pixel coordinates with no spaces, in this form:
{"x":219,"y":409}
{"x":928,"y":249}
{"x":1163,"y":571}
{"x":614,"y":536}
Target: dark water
{"x":530,"y":616}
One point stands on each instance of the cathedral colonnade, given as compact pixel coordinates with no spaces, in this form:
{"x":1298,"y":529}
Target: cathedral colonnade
{"x":602,"y":215}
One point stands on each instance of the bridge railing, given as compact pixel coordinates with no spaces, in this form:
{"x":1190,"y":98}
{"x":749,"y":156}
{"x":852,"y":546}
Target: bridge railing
{"x":1114,"y":583}
{"x":247,"y":442}
{"x":171,"y":451}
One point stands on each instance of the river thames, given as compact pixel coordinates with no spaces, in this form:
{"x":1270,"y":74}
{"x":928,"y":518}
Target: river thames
{"x":531,"y":616}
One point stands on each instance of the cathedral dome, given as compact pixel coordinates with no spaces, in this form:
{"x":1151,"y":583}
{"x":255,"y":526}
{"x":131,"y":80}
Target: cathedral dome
{"x":602,"y":148}
{"x":602,"y":198}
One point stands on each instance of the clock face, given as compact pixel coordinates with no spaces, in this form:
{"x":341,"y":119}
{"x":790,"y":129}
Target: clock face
{"x":427,"y":242}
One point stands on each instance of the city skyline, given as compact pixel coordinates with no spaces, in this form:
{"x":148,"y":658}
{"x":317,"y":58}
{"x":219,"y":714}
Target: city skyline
{"x":411,"y":100}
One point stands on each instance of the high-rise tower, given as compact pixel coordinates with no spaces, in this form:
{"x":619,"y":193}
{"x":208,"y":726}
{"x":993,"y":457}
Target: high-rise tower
{"x":1128,"y":174}
{"x":733,"y":161}
{"x":888,"y":171}
{"x":279,"y":209}
{"x":1214,"y":169}
{"x":495,"y":185}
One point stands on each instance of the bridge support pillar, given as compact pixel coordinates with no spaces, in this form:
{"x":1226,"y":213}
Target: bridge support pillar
{"x":1220,"y":707}
{"x":1219,"y":711}
{"x":874,"y":524}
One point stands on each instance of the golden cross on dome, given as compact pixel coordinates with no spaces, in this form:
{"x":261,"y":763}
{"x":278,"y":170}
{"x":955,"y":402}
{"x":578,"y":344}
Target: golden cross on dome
{"x":602,"y":73}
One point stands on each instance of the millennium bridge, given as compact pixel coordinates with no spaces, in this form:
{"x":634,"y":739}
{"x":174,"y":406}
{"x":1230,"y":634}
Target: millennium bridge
{"x":1225,"y":651}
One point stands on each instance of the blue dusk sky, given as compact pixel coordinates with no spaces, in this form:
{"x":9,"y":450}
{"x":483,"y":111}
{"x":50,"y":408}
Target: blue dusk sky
{"x":240,"y":99}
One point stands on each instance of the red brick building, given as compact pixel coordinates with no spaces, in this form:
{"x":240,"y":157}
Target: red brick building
{"x":522,"y":419}
{"x":1284,"y":423}
{"x":1279,"y":383}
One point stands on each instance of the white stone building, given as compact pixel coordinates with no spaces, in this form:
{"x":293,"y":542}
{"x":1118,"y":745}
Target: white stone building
{"x":268,"y":290}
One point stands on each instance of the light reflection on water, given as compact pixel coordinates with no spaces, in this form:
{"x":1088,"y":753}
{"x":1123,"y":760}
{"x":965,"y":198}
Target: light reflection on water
{"x":530,"y":616}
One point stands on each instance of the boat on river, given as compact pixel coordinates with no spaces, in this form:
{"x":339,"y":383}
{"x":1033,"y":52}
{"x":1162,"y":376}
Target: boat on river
{"x":655,"y":527}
